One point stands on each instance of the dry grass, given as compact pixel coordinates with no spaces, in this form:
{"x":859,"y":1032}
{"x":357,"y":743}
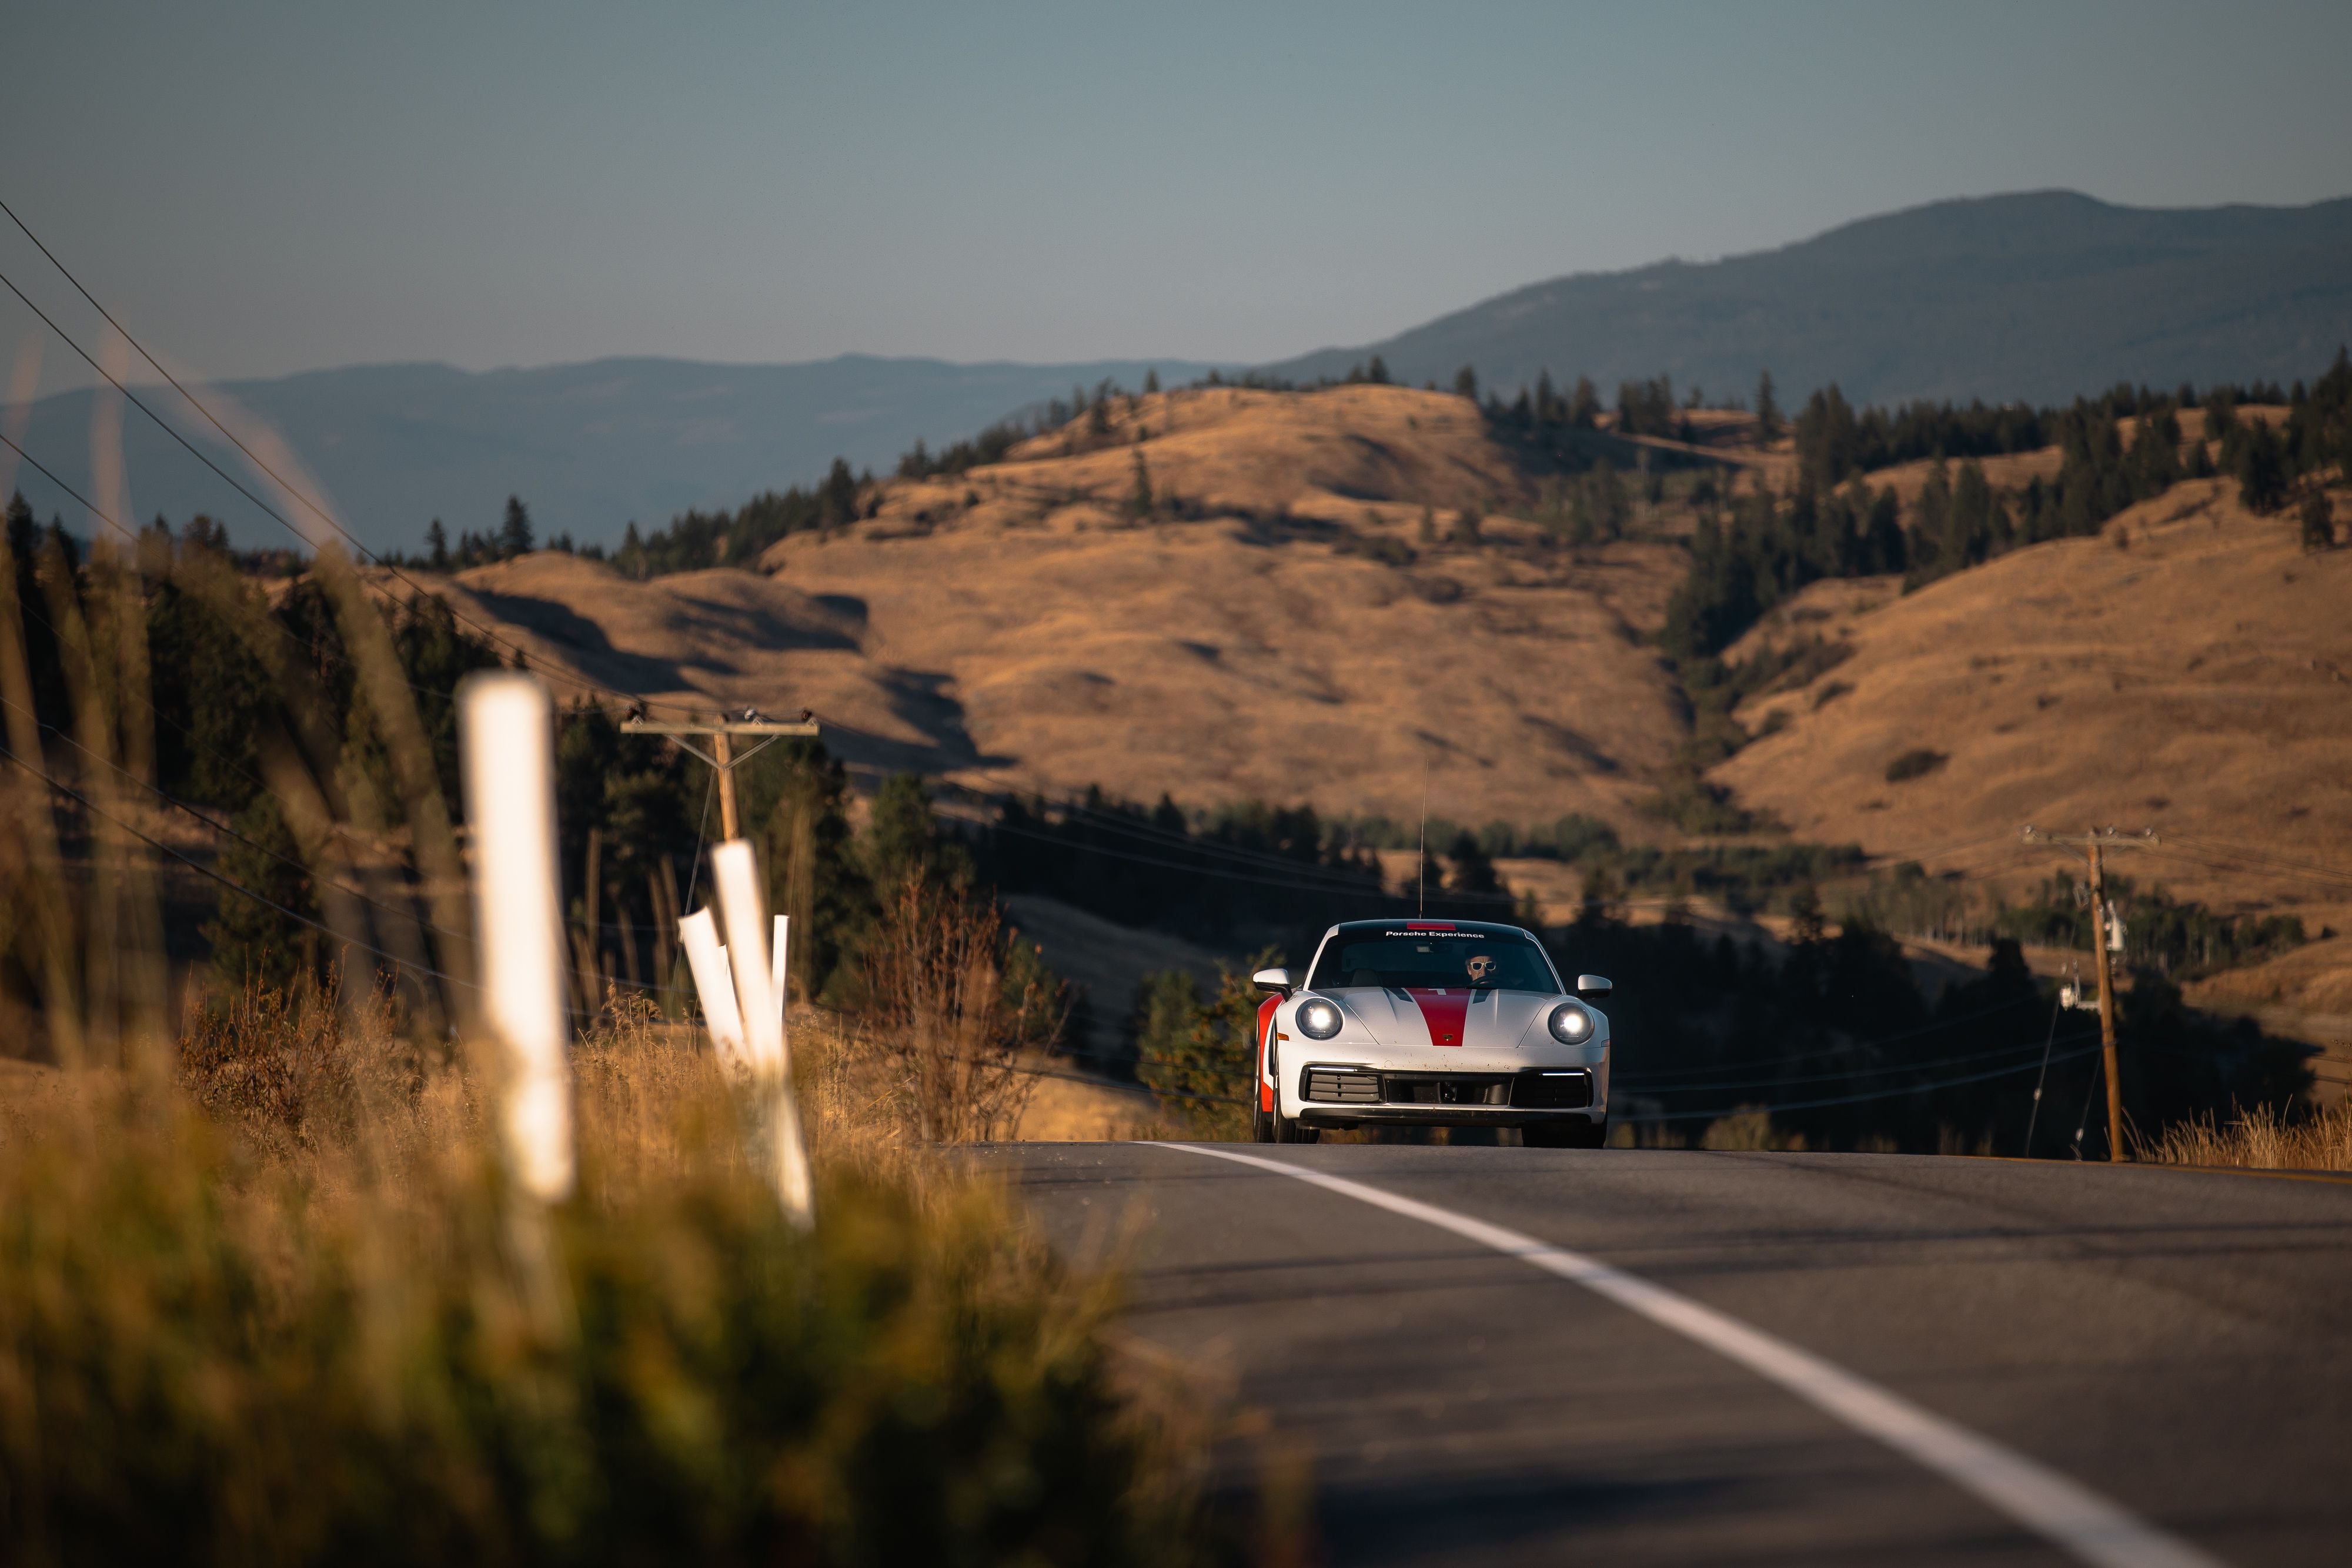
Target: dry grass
{"x":1038,"y":636}
{"x":2199,"y":682}
{"x":313,"y":1322}
{"x":268,"y":1294}
{"x":2262,"y":1139}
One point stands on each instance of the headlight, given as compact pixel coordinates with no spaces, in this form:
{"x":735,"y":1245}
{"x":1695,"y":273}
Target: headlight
{"x":1318,"y":1019}
{"x":1571,"y":1024}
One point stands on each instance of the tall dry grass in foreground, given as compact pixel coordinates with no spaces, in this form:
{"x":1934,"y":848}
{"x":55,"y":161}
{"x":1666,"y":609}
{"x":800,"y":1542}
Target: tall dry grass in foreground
{"x":278,"y":1312}
{"x":2259,"y":1139}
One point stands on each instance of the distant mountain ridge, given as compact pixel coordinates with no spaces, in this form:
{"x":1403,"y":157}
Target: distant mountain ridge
{"x":2042,"y":295}
{"x":589,"y":446}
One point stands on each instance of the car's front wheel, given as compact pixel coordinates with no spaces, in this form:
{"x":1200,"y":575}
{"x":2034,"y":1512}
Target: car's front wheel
{"x":1286,"y":1129}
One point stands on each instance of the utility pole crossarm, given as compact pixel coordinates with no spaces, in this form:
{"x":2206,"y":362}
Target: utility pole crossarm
{"x":768,"y":727}
{"x":721,"y":756}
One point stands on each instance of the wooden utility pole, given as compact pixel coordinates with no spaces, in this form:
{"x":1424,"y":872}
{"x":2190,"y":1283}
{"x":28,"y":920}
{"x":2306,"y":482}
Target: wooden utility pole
{"x":721,"y":755}
{"x":2105,"y":972}
{"x":2092,"y":843}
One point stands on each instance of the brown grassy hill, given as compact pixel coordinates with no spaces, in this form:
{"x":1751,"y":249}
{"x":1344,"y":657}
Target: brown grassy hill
{"x":2198,"y":682}
{"x":1295,"y":618}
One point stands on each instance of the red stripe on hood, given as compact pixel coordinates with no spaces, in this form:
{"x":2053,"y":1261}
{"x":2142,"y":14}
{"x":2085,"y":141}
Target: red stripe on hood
{"x":1444,"y":1011}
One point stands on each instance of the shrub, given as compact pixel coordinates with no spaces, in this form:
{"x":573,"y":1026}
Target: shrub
{"x":365,"y":1352}
{"x":1915,"y":763}
{"x":2318,"y":523}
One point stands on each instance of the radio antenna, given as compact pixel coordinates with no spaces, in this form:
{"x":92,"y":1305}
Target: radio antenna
{"x":1421,"y":877}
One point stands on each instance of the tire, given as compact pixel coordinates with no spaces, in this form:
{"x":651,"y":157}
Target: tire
{"x":1286,"y":1129}
{"x":1566,"y":1134}
{"x":1262,"y":1129}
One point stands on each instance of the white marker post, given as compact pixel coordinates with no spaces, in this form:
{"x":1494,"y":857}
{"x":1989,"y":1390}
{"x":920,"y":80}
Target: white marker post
{"x":506,"y":743}
{"x":776,"y":972}
{"x":735,"y":874}
{"x":713,"y":982}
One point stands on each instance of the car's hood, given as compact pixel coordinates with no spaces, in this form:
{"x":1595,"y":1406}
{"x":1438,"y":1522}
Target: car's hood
{"x":1450,"y":1017}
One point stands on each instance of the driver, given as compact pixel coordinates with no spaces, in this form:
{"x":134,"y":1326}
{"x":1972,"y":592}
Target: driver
{"x":1482,"y":970}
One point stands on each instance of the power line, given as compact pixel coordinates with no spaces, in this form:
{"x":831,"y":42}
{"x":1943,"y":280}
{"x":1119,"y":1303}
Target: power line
{"x":1856,"y":1099}
{"x":1880,"y":1072}
{"x":228,"y":478}
{"x":223,"y":828}
{"x":2219,"y":860}
{"x":1884,"y":1039}
{"x":132,"y":535}
{"x":398,"y":964}
{"x":2263,"y":856}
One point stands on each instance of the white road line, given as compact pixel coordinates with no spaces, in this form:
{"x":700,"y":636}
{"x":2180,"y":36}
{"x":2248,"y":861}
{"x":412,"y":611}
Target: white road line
{"x":2067,"y":1514}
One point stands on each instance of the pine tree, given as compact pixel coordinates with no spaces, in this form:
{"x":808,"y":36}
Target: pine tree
{"x":901,"y":839}
{"x":1473,"y":873}
{"x":1466,"y":384}
{"x":839,"y":507}
{"x":514,"y":533}
{"x":1584,"y":404}
{"x":252,"y":942}
{"x":1139,"y":498}
{"x":2318,"y":523}
{"x":2262,"y":467}
{"x":436,"y":544}
{"x":1377,"y":372}
{"x":1152,"y":379}
{"x":1768,"y":412}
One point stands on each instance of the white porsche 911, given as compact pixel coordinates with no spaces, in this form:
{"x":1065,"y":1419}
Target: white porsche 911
{"x":1448,"y":1023}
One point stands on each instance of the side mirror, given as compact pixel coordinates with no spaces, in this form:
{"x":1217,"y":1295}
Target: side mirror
{"x":1274,"y":981}
{"x":1592,"y":988}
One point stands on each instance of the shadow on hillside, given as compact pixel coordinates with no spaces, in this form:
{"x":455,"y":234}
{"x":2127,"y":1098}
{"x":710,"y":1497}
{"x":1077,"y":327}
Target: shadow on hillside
{"x":919,"y":698}
{"x":592,"y":651}
{"x":764,"y":631}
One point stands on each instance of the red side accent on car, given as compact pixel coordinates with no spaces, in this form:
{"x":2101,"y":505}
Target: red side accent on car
{"x":1444,"y":1011}
{"x":1265,"y":1033}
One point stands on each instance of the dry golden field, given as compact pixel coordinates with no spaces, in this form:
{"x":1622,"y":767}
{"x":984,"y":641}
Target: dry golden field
{"x":1018,"y":627}
{"x":2190,"y":671}
{"x":1298,"y":617}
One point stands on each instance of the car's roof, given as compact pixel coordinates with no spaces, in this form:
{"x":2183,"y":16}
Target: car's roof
{"x":1439,"y":928}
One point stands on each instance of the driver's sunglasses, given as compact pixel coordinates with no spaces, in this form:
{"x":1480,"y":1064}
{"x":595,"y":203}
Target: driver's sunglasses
{"x":1480,"y":966}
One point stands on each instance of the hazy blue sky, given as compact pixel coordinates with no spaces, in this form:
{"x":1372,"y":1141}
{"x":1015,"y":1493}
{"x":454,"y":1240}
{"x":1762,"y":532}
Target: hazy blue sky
{"x":267,"y":188}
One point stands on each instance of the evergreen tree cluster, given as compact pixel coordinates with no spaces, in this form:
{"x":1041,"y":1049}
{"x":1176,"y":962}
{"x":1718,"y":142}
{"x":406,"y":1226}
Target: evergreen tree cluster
{"x":1841,"y":1018}
{"x":1251,"y":867}
{"x":2178,"y":940}
{"x":1833,"y":441}
{"x":977,"y":452}
{"x":513,"y":536}
{"x":696,"y":541}
{"x":1767,"y":550}
{"x":1831,"y":524}
{"x":233,"y":674}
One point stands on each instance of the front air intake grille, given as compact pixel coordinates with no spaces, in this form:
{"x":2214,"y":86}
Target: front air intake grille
{"x":1445,"y":1089}
{"x":1344,"y":1085}
{"x":1553,"y":1090}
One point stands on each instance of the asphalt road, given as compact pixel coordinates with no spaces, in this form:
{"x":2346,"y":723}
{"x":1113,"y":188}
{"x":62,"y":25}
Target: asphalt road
{"x":2176,"y":1344}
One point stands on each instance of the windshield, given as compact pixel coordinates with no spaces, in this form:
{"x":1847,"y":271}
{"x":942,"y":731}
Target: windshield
{"x":1430,"y":960}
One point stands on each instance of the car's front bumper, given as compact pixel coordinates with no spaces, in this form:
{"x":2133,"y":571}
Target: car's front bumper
{"x":1315,"y":1115}
{"x":1498,"y":1093}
